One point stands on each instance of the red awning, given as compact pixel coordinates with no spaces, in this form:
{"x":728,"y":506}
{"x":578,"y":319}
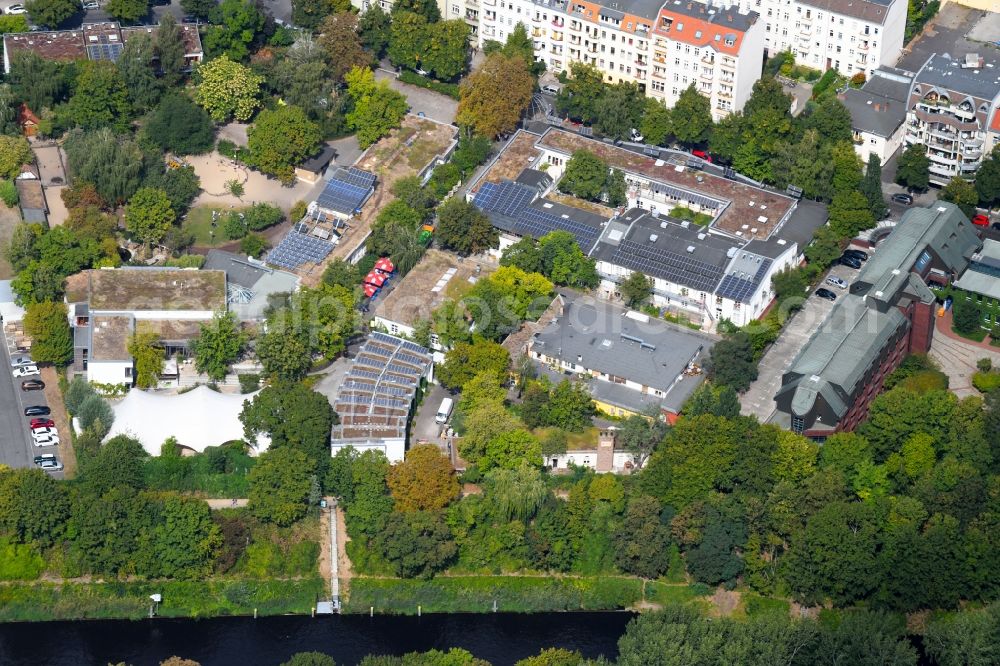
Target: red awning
{"x":385,"y":264}
{"x":376,"y":279}
{"x":370,"y":290}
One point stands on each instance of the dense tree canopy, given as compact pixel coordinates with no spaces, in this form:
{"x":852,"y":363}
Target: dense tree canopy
{"x":495,"y":95}
{"x":180,"y":126}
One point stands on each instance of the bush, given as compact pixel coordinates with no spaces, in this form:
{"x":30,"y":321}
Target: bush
{"x":78,"y":390}
{"x":227,"y":148}
{"x":986,"y":382}
{"x":984,"y":364}
{"x":445,"y":177}
{"x":93,"y":409}
{"x":828,"y":79}
{"x":186,"y":261}
{"x":234,"y":227}
{"x":298,"y":211}
{"x":449,"y":89}
{"x":19,"y":562}
{"x":8,"y":193}
{"x":253,"y":245}
{"x":261,"y":216}
{"x":249,"y":382}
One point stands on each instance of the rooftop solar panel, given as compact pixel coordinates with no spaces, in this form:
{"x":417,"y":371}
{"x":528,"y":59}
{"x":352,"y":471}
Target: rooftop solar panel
{"x":355,"y":177}
{"x":507,"y":198}
{"x":537,"y":223}
{"x":342,"y":197}
{"x":740,"y":289}
{"x":668,"y":265}
{"x":296,"y":249}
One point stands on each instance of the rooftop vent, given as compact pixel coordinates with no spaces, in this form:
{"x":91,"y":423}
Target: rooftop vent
{"x":690,"y":248}
{"x":701,"y":236}
{"x":652,"y":238}
{"x":663,"y":225}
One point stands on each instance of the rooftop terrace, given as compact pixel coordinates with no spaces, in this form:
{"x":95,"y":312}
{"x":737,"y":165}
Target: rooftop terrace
{"x":147,"y":289}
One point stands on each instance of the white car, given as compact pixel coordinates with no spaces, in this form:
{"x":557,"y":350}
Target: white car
{"x":48,"y":461}
{"x":91,"y":5}
{"x":17,"y":361}
{"x":637,"y":136}
{"x":48,"y":440}
{"x":44,"y":432}
{"x":837,"y":282}
{"x":25,"y":371}
{"x":17,"y":9}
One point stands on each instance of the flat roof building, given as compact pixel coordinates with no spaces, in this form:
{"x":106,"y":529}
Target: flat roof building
{"x":249,"y":282}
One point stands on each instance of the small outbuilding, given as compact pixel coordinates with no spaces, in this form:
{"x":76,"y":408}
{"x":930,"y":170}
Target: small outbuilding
{"x":314,"y":167}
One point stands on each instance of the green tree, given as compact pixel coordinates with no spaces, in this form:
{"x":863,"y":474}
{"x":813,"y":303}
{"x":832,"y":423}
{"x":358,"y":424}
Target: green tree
{"x":464,"y":228}
{"x":202,"y":9}
{"x":968,"y":638}
{"x":579,"y":97}
{"x":424,"y":481}
{"x":280,"y":484}
{"x":119,"y":463}
{"x":129,"y":11}
{"x":292,"y":416}
{"x":967,"y":318}
{"x":850,"y":213}
{"x":656,"y":125}
{"x":227,"y":89}
{"x":100,"y":98}
{"x":988,"y":180}
{"x":641,"y":434}
{"x":147,"y":357}
{"x":464,"y":361}
{"x":187,"y":540}
{"x":39,"y":83}
{"x":33,"y":506}
{"x":428,"y":9}
{"x":691,"y":117}
{"x":219,"y":343}
{"x":112,"y":163}
{"x":374,"y":29}
{"x":236,"y":24}
{"x":51,"y":13}
{"x":309,"y":659}
{"x":95,"y":415}
{"x":416,"y":544}
{"x":51,"y":339}
{"x":148,"y":216}
{"x":14,"y":154}
{"x":285,"y":355}
{"x":341,"y":42}
{"x":180,"y":126}
{"x":585,"y":176}
{"x":515,"y":493}
{"x":408,"y":35}
{"x":523,"y":254}
{"x":13,"y":24}
{"x":553,"y":657}
{"x":494,"y":97}
{"x":510,"y":449}
{"x":169,"y":46}
{"x":570,"y":406}
{"x":642,"y":541}
{"x":280,"y":139}
{"x":732,"y":362}
{"x":871,"y":187}
{"x":564,"y":263}
{"x":962,"y":193}
{"x":636,"y":289}
{"x":616,"y":188}
{"x":619,"y":110}
{"x":831,"y":120}
{"x":912,"y":169}
{"x":135,"y":64}
{"x":309,"y":13}
{"x":377,"y":108}
{"x":180,"y":184}
{"x":447,"y":49}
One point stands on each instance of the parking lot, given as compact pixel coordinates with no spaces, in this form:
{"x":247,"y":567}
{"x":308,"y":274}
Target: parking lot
{"x":16,"y":446}
{"x":759,"y":400}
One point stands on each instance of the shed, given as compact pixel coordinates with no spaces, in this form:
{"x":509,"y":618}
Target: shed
{"x":312,"y":169}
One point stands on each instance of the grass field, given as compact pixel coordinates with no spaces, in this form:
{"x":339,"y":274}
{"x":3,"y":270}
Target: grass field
{"x":199,"y":223}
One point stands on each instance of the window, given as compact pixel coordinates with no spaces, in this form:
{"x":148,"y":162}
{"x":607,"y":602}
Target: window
{"x":798,"y":424}
{"x":128,"y":371}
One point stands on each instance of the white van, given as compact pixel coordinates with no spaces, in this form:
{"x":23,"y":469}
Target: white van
{"x":444,"y":411}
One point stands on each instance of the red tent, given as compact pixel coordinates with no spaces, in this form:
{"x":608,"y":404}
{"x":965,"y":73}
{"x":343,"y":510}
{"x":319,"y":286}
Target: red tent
{"x":370,"y":290}
{"x":376,"y":279}
{"x":385,"y":265}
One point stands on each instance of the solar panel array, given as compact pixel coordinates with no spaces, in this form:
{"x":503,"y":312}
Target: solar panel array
{"x":296,"y":249}
{"x":536,"y":223}
{"x":740,"y":289}
{"x":355,"y":177}
{"x":507,"y":198}
{"x":104,"y":52}
{"x":342,"y":197}
{"x":701,"y":200}
{"x":667,"y":265}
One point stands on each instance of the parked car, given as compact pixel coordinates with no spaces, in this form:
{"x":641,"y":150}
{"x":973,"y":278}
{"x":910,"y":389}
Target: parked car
{"x":44,"y":456}
{"x":42,"y":423}
{"x":17,"y":9}
{"x":25,"y":371}
{"x":637,"y":135}
{"x":859,"y":254}
{"x":37,"y":410}
{"x":48,"y":461}
{"x":44,"y":432}
{"x":850,"y":261}
{"x":48,"y":440}
{"x":823,"y":292}
{"x":91,"y":5}
{"x":702,"y":154}
{"x":837,"y":282}
{"x":981,"y":220}
{"x":32,"y":385}
{"x":16,"y":361}
{"x":904,"y":199}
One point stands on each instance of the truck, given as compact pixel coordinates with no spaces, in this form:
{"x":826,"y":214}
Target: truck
{"x":444,"y":411}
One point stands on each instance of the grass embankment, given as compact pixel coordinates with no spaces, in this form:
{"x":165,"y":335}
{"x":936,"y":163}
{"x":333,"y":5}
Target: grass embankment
{"x":515,"y":594}
{"x":35,"y":602}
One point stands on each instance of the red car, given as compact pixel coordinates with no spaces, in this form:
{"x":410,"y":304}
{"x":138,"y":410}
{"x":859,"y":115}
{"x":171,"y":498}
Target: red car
{"x":42,"y":423}
{"x":703,"y":155}
{"x":981,"y":221}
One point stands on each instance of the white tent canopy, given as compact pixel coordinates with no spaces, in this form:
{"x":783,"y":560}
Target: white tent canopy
{"x":197,"y":419}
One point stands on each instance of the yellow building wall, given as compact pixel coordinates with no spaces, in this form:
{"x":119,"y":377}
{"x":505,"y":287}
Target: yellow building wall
{"x":988,"y":5}
{"x":614,"y":410}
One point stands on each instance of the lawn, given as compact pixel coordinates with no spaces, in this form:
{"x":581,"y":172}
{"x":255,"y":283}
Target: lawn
{"x":199,"y":223}
{"x":574,"y":440}
{"x":977,"y":335}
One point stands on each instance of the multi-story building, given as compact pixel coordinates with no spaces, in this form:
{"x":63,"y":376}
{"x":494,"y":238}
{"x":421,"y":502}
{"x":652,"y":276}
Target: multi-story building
{"x":887,"y":314}
{"x":954,"y":110}
{"x":718,"y":50}
{"x":849,"y":36}
{"x":661,"y":48}
{"x":878,"y":110}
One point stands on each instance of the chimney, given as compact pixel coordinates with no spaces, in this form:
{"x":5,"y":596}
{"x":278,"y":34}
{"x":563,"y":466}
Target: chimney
{"x":605,"y":450}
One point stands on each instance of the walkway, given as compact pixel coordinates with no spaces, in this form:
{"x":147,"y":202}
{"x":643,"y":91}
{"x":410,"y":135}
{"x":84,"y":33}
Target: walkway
{"x":957,"y":356}
{"x":216,"y":504}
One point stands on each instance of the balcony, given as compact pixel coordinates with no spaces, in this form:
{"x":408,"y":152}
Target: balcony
{"x":490,"y":3}
{"x":708,"y":59}
{"x":556,"y":36}
{"x":537,"y":18}
{"x":641,"y":63}
{"x":964,"y":112}
{"x":575,"y":39}
{"x":659,"y":73}
{"x":640,"y":75}
{"x":471,"y":15}
{"x":726,"y":93}
{"x":556,"y":50}
{"x":558,"y":22}
{"x":641,"y":48}
{"x":941,"y":158}
{"x":804,"y":31}
{"x":941,"y":170}
{"x":592,"y":47}
{"x":863,"y":46}
{"x":943,"y":135}
{"x":489,"y":31}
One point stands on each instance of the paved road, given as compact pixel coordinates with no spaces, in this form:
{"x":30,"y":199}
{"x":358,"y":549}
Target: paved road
{"x":759,"y":400}
{"x":16,"y":448}
{"x":433,"y":105}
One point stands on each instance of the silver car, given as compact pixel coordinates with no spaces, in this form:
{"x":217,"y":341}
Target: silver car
{"x":837,"y":282}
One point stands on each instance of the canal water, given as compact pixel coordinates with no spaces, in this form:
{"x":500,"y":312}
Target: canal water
{"x":501,"y":638}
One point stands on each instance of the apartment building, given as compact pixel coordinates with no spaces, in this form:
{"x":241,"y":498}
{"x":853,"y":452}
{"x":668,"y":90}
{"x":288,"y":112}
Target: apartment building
{"x":849,"y":36}
{"x":954,"y":110}
{"x":661,"y":48}
{"x":719,"y":50}
{"x":878,"y":113}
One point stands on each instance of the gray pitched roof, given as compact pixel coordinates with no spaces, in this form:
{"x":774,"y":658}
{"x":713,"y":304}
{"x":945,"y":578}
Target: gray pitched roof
{"x":874,"y":113}
{"x":874,"y":11}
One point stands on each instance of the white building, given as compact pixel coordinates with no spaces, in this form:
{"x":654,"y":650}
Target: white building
{"x":878,"y":110}
{"x":849,"y":36}
{"x":106,"y":306}
{"x":954,"y":110}
{"x":719,"y":50}
{"x":605,"y":458}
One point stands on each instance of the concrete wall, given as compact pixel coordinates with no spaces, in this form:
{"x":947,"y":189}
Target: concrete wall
{"x":110,"y":372}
